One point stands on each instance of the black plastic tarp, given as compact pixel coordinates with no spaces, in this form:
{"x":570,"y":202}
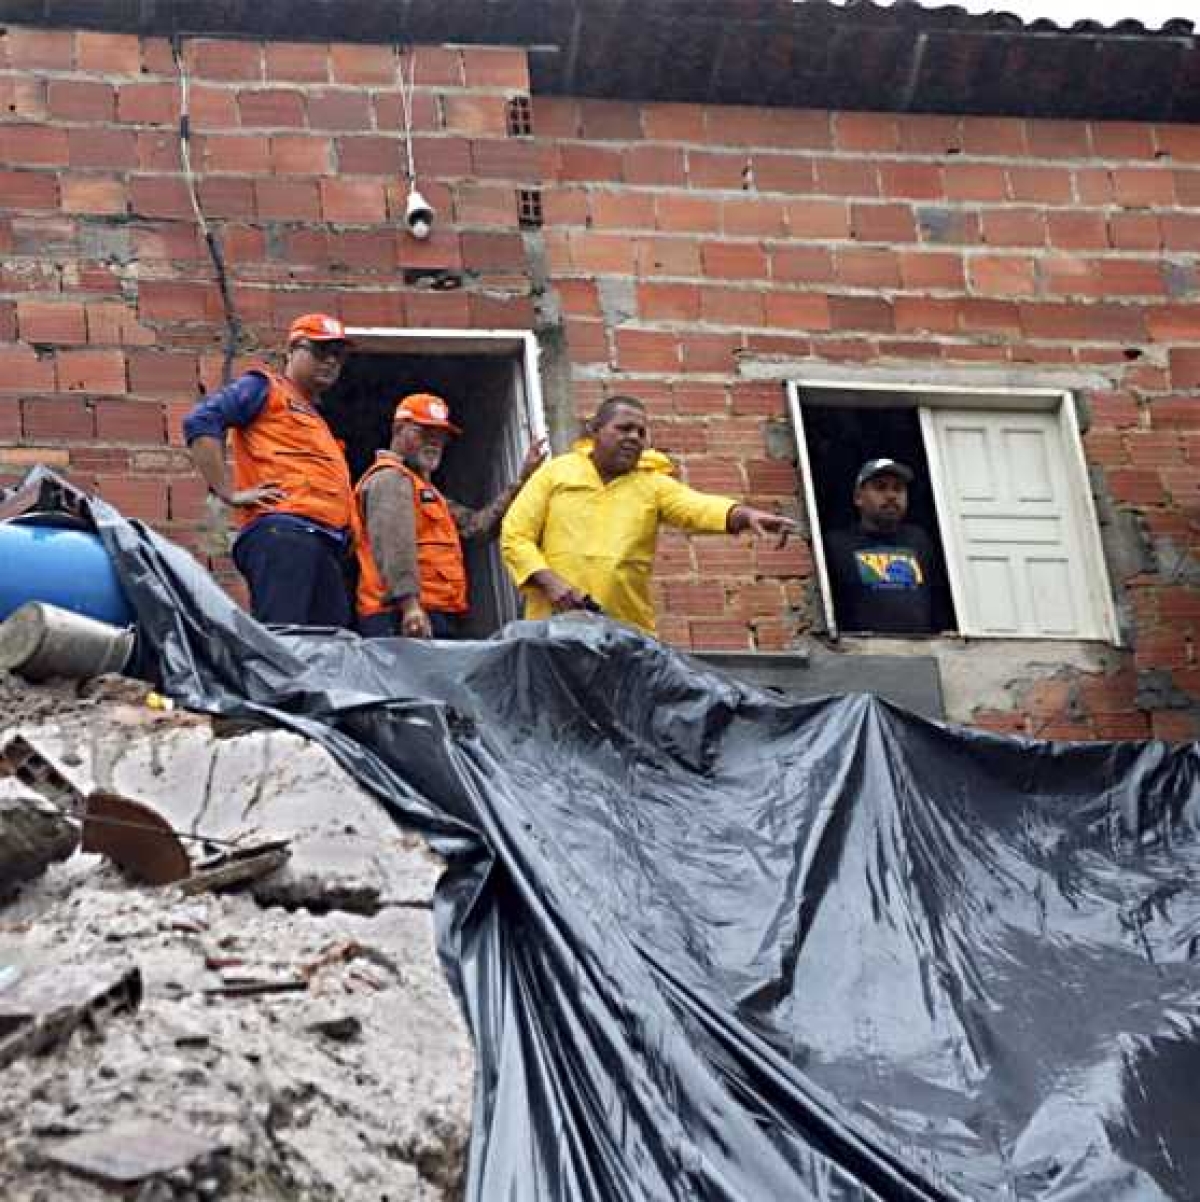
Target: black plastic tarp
{"x":715,"y":944}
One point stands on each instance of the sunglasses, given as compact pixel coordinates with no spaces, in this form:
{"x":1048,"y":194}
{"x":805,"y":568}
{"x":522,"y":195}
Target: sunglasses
{"x":327,"y":350}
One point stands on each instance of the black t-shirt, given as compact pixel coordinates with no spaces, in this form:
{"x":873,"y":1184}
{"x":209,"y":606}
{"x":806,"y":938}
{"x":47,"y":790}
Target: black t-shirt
{"x":887,"y":583}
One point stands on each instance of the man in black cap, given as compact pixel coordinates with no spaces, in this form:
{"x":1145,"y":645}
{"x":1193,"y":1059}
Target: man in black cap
{"x":887,"y":576}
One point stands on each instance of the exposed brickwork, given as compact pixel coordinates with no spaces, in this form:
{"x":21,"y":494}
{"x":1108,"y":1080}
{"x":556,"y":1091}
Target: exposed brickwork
{"x":678,"y":240}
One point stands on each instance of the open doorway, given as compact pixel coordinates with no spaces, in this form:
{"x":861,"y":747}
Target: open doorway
{"x":490,"y":383}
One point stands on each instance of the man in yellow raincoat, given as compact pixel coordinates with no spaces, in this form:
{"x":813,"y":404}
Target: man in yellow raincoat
{"x":581,"y":534}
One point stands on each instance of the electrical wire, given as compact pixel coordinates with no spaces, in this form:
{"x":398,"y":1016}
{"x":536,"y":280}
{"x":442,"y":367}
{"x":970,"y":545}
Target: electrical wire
{"x":233,"y":325}
{"x":406,"y":111}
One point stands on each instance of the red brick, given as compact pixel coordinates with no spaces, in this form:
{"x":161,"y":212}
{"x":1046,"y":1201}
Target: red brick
{"x":603,"y":254}
{"x":653,"y":165}
{"x":1070,"y":275}
{"x":753,"y":216}
{"x":494,"y":67}
{"x":719,"y":634}
{"x":302,"y":154}
{"x":175,"y":300}
{"x":717,"y":169}
{"x":1085,"y":323}
{"x":782,"y":173}
{"x":861,"y":313}
{"x":911,"y":181}
{"x":646,"y":350}
{"x":30,"y":49}
{"x":1044,"y":185}
{"x":1123,"y":140}
{"x":819,"y":219}
{"x":21,"y":370}
{"x":1131,"y":277}
{"x":159,"y":196}
{"x":287,"y":200}
{"x":142,"y":497}
{"x":485,"y":204}
{"x":271,"y":107}
{"x":28,"y":190}
{"x":1185,"y":368}
{"x":1059,"y":139}
{"x":975,"y":181}
{"x":115,"y":322}
{"x":1175,"y":412}
{"x":108,"y":53}
{"x":1187,"y":187}
{"x":1136,"y":486}
{"x":33,"y":146}
{"x":1002,"y":275}
{"x":867,"y":267}
{"x":739,"y":125}
{"x":715,"y":475}
{"x":921,"y":270}
{"x":510,"y":158}
{"x":1135,"y":231}
{"x":297,"y":62}
{"x":130,"y":421}
{"x":364,"y":64}
{"x":923,"y":134}
{"x":494,"y":252}
{"x":610,"y":120}
{"x":1180,"y":142}
{"x":667,"y":256}
{"x":731,"y":306}
{"x":77,"y":100}
{"x":243,"y":153}
{"x":623,"y":210}
{"x":501,"y":312}
{"x":710,"y":352}
{"x":598,"y":163}
{"x":800,"y":264}
{"x":1005,"y":136}
{"x":227,"y":197}
{"x":914,"y":313}
{"x":1077,"y":230}
{"x":1174,"y":726}
{"x":353,"y":201}
{"x":556,"y":117}
{"x":92,"y":371}
{"x":672,"y":122}
{"x":771,"y":477}
{"x":798,"y":310}
{"x":112,"y":149}
{"x":870,"y":132}
{"x":668,"y":302}
{"x":734,"y":260}
{"x":163,"y":373}
{"x":680,"y":212}
{"x":51,"y":321}
{"x":846,"y":177}
{"x":1143,"y":186}
{"x":223,"y":58}
{"x":475,"y":115}
{"x":883,"y":223}
{"x":993,"y":316}
{"x":158,"y":150}
{"x":338,"y":108}
{"x":587,"y":341}
{"x":1014,"y":227}
{"x":60,"y":420}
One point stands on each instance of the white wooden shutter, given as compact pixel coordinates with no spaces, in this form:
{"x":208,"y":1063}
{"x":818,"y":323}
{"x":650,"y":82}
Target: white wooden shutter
{"x":1008,"y":490}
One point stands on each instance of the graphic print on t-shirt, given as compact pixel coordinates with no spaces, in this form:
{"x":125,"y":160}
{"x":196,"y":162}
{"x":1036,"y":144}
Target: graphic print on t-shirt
{"x":890,"y":568}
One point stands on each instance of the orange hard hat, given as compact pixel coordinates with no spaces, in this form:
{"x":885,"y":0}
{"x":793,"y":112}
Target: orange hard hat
{"x":425,"y":409}
{"x":317,"y":327}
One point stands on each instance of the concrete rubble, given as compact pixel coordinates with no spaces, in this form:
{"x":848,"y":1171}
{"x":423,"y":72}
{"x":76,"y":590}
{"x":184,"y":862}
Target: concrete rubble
{"x":294,"y":1037}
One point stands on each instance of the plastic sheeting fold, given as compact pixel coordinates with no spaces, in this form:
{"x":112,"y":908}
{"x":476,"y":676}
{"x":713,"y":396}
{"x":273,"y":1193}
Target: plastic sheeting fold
{"x":714,"y":944}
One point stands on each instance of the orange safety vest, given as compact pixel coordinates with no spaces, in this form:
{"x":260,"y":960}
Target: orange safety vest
{"x":440,"y":566}
{"x":290,"y":444}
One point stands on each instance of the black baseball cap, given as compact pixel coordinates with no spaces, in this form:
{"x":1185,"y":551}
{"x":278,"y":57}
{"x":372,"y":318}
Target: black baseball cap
{"x":883,"y":467}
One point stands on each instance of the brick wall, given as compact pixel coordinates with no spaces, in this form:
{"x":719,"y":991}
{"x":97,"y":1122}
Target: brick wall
{"x":684,"y":240}
{"x":679,"y":240}
{"x":110,"y":321}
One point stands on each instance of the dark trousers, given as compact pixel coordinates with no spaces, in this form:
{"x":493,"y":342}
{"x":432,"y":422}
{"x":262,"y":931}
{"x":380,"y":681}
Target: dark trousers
{"x":387,"y":626}
{"x":295,"y":575}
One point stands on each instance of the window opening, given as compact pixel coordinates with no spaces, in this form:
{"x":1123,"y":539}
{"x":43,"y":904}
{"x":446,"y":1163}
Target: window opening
{"x":1000,"y":486}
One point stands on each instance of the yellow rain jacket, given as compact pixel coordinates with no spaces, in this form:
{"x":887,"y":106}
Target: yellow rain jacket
{"x":600,"y":537}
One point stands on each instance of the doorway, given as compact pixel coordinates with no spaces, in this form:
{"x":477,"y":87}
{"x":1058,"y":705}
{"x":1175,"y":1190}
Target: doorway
{"x":490,"y":382}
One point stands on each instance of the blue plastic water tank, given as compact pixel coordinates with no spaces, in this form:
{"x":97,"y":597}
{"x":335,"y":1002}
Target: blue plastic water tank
{"x":59,"y":565}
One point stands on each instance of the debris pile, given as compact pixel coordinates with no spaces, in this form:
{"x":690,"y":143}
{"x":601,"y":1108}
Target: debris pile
{"x":275,"y":1024}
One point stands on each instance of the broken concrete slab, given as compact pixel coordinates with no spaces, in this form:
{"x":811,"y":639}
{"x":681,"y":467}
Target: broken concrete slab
{"x":134,"y":1151}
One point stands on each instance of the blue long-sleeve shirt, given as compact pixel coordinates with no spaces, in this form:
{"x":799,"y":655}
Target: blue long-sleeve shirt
{"x":237,"y":404}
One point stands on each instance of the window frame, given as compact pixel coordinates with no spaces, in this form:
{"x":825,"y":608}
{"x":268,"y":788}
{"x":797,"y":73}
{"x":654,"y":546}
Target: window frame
{"x":924,"y":398}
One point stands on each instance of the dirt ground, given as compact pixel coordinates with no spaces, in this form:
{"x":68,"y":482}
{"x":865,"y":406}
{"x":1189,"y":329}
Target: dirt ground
{"x":353,"y":1084}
